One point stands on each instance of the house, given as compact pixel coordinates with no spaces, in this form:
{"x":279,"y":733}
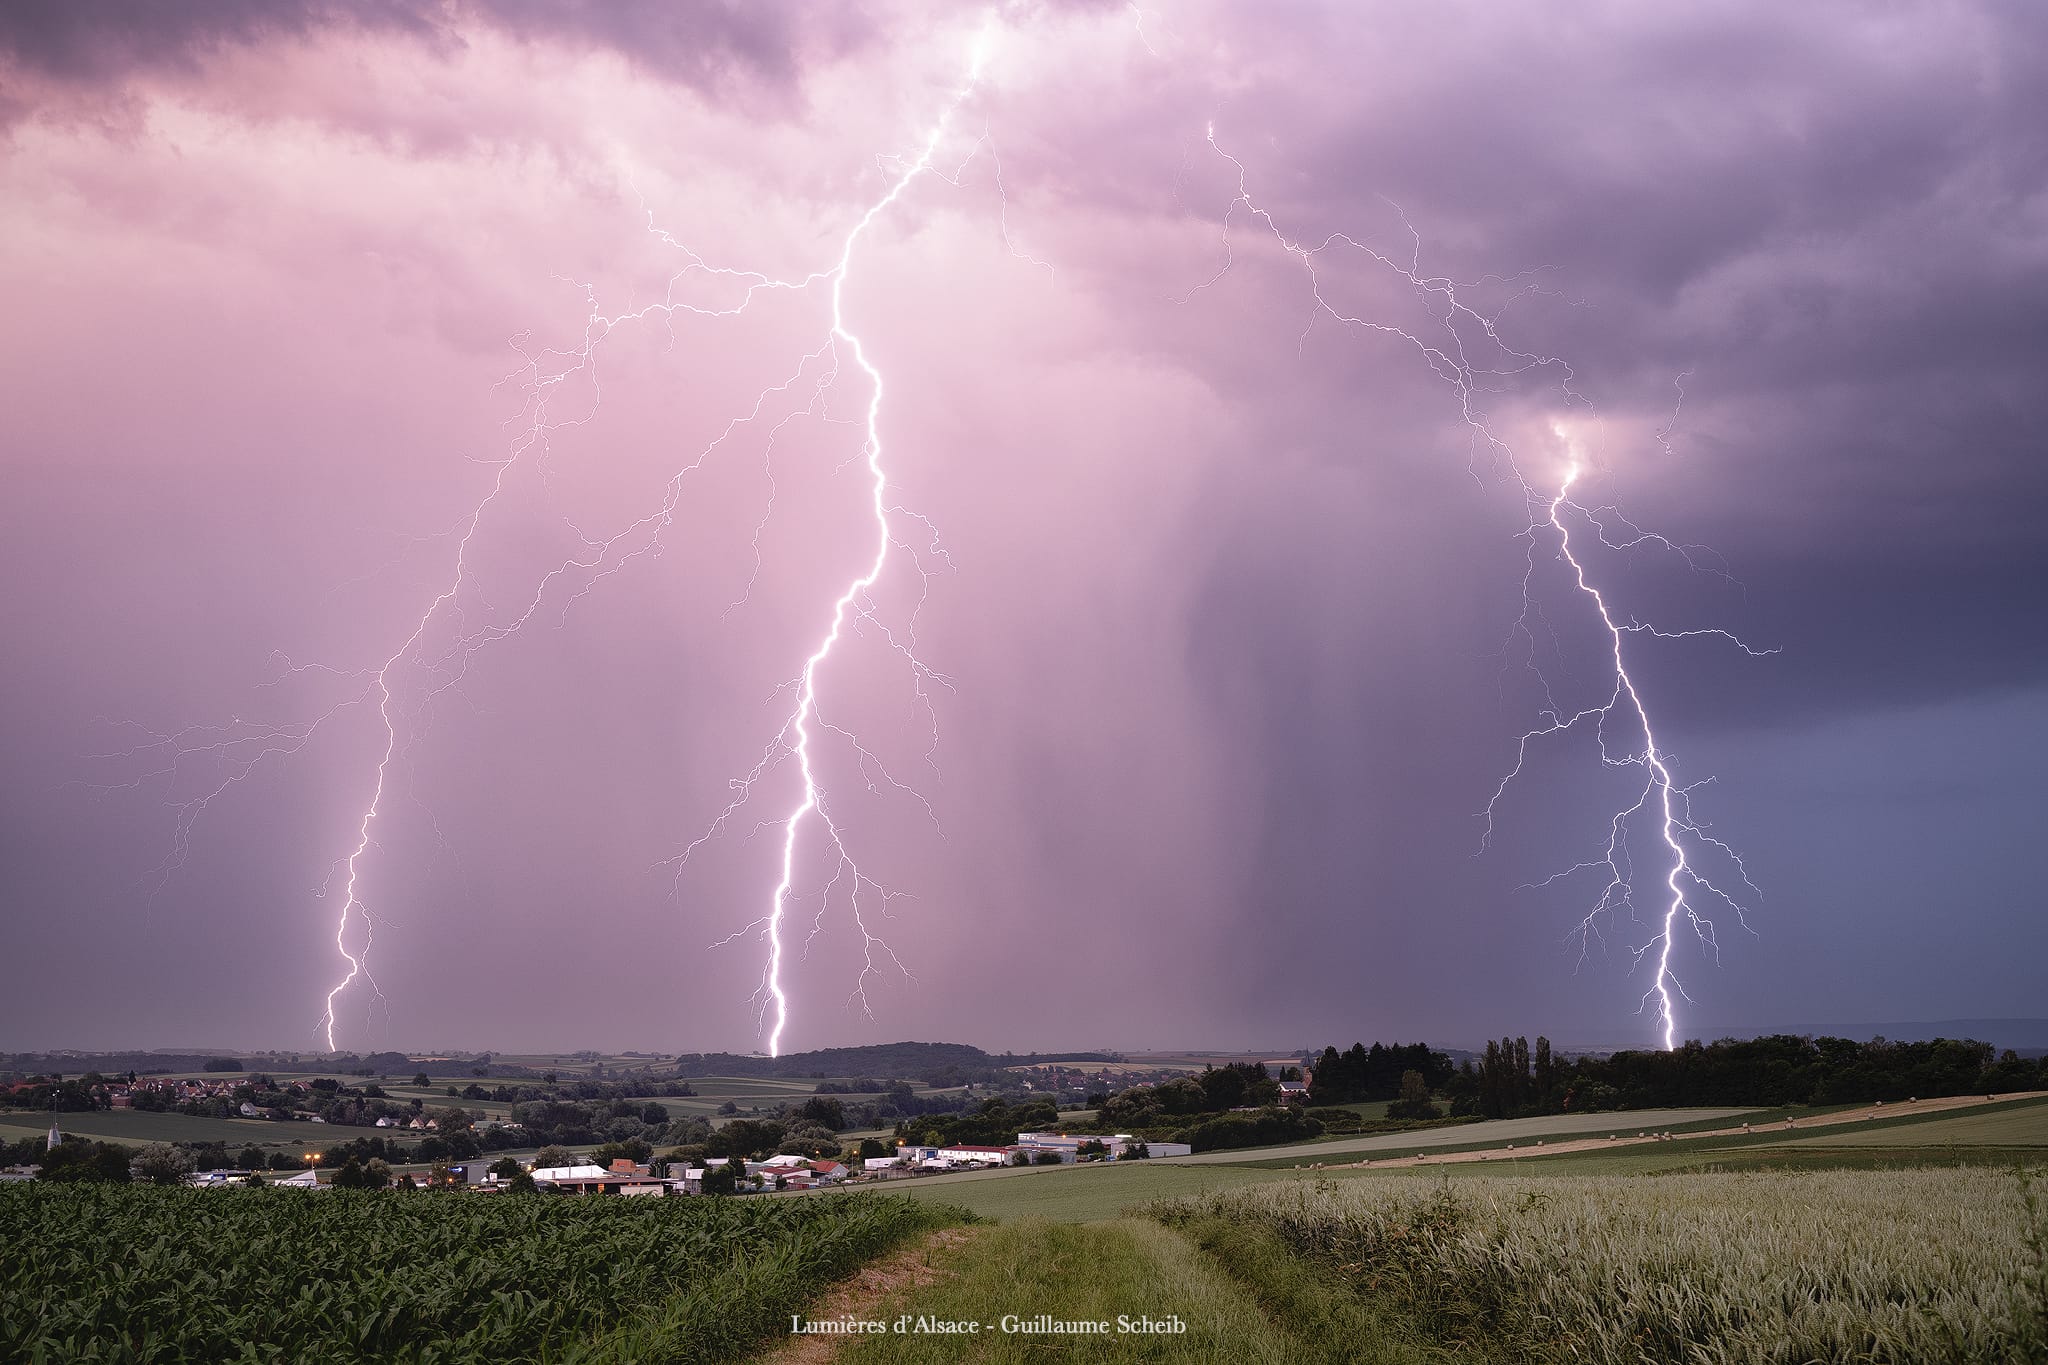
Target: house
{"x":592,"y":1179}
{"x":1293,"y":1090}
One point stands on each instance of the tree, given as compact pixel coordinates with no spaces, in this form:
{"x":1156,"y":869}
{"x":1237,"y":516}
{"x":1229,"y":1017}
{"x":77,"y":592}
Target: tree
{"x":452,"y":1119}
{"x":722,"y":1179}
{"x":160,"y":1164}
{"x":505,"y":1167}
{"x":523,"y":1184}
{"x":551,"y":1156}
{"x":872,"y":1149}
{"x":1136,"y":1151}
{"x":93,"y":1162}
{"x":822,"y":1111}
{"x":421,"y":1079}
{"x":746,"y":1137}
{"x":632,"y":1149}
{"x":251,"y":1158}
{"x":1414,"y":1102}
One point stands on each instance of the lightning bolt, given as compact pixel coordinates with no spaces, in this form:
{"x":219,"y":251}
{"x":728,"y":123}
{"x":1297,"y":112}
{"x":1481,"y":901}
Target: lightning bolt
{"x":853,"y":602}
{"x":1466,"y":351}
{"x":442,"y":641}
{"x":1668,"y":803}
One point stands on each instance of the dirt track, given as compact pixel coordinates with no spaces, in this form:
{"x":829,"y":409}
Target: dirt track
{"x":1621,"y":1138}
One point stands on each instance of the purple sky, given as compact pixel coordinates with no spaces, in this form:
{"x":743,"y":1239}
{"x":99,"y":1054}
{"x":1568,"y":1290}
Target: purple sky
{"x":1230,"y":587}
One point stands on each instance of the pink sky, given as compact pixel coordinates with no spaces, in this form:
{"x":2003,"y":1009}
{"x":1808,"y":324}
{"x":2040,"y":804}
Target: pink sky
{"x":1224,"y":596}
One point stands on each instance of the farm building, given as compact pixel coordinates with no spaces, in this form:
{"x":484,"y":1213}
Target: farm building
{"x":1068,"y":1146}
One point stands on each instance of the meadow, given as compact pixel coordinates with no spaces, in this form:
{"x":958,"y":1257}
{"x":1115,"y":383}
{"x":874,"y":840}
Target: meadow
{"x":137,"y":1127}
{"x":1909,"y":1266}
{"x":143,"y":1274}
{"x":1903,"y":1239}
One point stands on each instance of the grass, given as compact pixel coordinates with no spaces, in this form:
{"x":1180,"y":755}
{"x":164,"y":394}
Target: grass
{"x":1920,"y":1266}
{"x":1365,"y":1109}
{"x":1094,"y":1274}
{"x":1469,"y":1137}
{"x":2021,"y":1124}
{"x":138,"y":1127}
{"x":1084,"y":1194}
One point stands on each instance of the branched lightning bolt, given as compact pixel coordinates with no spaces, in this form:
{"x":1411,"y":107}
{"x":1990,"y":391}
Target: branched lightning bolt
{"x":1668,"y":803}
{"x":458,"y":621}
{"x":1467,"y":352}
{"x":853,"y":605}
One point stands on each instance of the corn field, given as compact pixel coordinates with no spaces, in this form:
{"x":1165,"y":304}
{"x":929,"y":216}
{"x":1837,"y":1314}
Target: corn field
{"x":1787,"y":1268}
{"x":120,"y":1273}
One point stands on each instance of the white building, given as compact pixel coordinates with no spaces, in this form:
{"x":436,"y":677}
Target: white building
{"x":976,"y":1156}
{"x":1068,"y":1146}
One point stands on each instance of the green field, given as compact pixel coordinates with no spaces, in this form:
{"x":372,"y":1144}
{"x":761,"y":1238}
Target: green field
{"x":1477,"y":1136}
{"x":2022,"y":1124}
{"x":1934,"y":1267}
{"x":139,"y":1274}
{"x":1926,"y":1266}
{"x":136,"y":1127}
{"x":1085,"y":1194}
{"x":1031,"y":1270}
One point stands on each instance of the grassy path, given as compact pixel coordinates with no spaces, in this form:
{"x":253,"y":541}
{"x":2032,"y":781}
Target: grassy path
{"x":1051,"y":1280}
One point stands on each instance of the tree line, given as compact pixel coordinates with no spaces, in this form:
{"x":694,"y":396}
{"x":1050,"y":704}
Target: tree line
{"x":1511,"y":1078}
{"x":1374,"y":1073}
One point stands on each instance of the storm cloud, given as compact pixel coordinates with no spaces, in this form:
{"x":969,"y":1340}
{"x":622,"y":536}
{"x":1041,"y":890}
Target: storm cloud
{"x":1230,"y":587}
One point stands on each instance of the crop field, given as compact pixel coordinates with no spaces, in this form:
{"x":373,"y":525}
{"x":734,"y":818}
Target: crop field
{"x":141,"y":1274}
{"x":1086,"y":1194}
{"x":2022,"y":1125}
{"x":137,"y":1127}
{"x":1471,"y":1136}
{"x":1921,"y":1266}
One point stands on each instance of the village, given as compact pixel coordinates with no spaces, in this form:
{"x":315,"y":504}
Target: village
{"x":783,"y":1173}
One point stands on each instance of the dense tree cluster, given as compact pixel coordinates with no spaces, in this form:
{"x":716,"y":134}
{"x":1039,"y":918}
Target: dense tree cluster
{"x":994,"y":1123}
{"x":1260,"y":1128}
{"x":1224,"y":1106}
{"x":1374,"y":1073}
{"x":1240,"y":1085}
{"x":1512,"y":1079}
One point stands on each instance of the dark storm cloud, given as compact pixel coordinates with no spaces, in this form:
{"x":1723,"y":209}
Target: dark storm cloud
{"x":1832,"y":223}
{"x":707,"y":44}
{"x":1228,"y":606}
